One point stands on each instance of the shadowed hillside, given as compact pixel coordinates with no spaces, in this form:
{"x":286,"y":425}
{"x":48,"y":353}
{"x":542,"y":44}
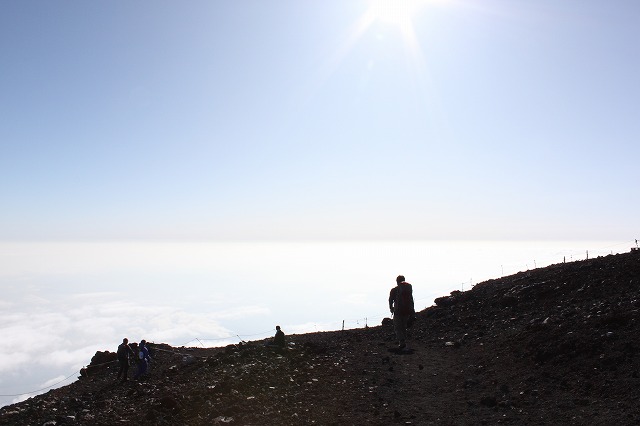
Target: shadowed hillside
{"x":556,"y":345}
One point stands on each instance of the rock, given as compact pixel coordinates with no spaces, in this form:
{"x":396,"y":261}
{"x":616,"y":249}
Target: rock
{"x":188,"y":360}
{"x":445,"y":301}
{"x":168,"y":402}
{"x":489,"y":401}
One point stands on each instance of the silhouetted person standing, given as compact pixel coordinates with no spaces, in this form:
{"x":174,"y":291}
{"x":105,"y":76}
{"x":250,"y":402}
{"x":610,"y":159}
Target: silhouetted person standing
{"x":401,"y":306}
{"x":124,"y":351}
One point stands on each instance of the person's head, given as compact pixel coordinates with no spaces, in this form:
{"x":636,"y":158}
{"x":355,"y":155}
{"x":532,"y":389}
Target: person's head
{"x":400,"y":279}
{"x":277,"y":327}
{"x":125,"y":340}
{"x":143,"y":342}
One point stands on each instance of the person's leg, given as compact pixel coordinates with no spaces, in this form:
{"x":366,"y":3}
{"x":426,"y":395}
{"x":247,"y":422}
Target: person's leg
{"x":400,"y":325}
{"x":121,"y":368}
{"x":139,"y":371}
{"x":125,"y":367}
{"x":397,"y":326}
{"x":142,"y":368}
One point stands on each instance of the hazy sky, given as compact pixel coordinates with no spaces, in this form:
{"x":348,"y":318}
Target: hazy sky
{"x":319,"y":119}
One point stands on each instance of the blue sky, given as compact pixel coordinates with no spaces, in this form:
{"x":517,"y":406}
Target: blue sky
{"x":319,"y":120}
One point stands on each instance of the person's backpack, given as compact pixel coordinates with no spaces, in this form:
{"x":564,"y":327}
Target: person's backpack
{"x":122,"y":352}
{"x":403,"y":304}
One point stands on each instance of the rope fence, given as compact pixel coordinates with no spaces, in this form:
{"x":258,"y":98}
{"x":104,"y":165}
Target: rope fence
{"x":57,"y":383}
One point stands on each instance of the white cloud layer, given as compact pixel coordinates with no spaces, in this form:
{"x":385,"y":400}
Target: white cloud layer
{"x":61,"y":337}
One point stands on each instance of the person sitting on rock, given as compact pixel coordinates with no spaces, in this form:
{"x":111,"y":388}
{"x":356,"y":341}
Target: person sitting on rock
{"x":124,"y":354}
{"x":278,"y":339}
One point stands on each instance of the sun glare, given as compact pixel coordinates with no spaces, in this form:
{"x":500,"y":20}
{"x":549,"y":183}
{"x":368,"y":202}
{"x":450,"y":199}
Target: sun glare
{"x":396,"y":12}
{"x":401,"y":17}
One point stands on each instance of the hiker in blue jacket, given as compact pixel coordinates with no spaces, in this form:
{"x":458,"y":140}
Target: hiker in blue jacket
{"x":402,"y":309}
{"x":143,"y":359}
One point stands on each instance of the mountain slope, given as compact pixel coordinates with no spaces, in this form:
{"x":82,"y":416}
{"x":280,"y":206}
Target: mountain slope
{"x":555,"y":345}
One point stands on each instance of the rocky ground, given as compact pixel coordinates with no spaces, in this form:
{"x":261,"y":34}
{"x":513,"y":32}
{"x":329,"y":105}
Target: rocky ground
{"x":556,"y":345}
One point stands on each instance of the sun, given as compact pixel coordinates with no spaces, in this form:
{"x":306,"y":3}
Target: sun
{"x":394,"y":12}
{"x":399,"y":16}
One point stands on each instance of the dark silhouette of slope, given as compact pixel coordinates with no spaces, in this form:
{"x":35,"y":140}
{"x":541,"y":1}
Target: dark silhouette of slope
{"x":555,"y":345}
